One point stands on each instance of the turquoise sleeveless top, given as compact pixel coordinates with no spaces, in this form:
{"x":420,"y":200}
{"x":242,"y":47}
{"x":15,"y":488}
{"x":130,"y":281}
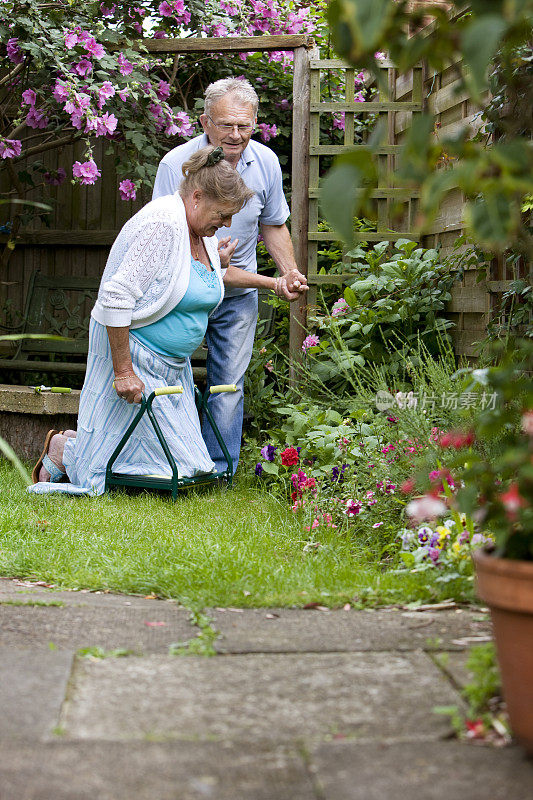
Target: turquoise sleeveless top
{"x":182,"y":330}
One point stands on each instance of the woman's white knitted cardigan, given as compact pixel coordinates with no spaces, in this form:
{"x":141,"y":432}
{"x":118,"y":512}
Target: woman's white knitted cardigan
{"x":148,"y":269}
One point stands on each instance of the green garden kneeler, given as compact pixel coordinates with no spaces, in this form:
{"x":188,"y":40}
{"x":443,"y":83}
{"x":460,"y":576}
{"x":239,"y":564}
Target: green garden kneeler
{"x":176,"y":482}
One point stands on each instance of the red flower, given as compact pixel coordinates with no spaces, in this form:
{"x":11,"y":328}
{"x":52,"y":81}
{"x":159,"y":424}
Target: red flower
{"x":457,"y":439}
{"x":408,"y":486}
{"x":289,"y":457}
{"x":512,"y":501}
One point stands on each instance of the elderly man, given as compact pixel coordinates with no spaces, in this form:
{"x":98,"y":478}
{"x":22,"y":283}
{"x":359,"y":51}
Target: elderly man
{"x":229,"y":120}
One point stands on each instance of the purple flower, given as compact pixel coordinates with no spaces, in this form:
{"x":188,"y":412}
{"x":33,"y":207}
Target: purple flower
{"x":268,"y":452}
{"x":107,"y":12}
{"x":83,"y":67}
{"x":183,"y":120}
{"x":94,"y":48}
{"x":87,"y":172}
{"x":29,"y":97}
{"x":71,"y":39}
{"x":106,"y":124}
{"x":258,"y":470}
{"x":127,"y":190}
{"x":125,"y":67}
{"x":163,"y":90}
{"x":464,"y":537}
{"x":165,"y":9}
{"x":339,"y":307}
{"x":14,"y":53}
{"x":56,"y":177}
{"x":434,"y":554}
{"x":268,"y":132}
{"x":310,"y":341}
{"x":424,"y":534}
{"x":106,"y":90}
{"x":10,"y":148}
{"x":338,"y":121}
{"x":160,"y":35}
{"x":60,"y":91}
{"x":36,"y":119}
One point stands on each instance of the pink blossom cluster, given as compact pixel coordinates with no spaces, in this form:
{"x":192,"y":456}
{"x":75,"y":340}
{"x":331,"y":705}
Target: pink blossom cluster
{"x":127,"y":189}
{"x":87,"y":172}
{"x":310,"y":341}
{"x":268,"y":132}
{"x":302,"y":483}
{"x":10,"y":148}
{"x":339,"y":307}
{"x":87,"y":42}
{"x":176,"y":9}
{"x":14,"y":53}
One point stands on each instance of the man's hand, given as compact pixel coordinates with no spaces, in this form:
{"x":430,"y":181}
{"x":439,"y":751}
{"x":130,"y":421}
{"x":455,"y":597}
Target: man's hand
{"x":294,"y":280}
{"x":282,"y":289}
{"x":226,"y":248}
{"x":291,"y":285}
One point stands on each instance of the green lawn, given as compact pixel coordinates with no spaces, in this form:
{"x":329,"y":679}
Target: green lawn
{"x":239,"y":548}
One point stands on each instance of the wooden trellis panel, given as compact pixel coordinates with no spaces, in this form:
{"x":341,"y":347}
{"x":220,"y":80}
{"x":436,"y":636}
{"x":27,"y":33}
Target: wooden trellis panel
{"x":385,"y":106}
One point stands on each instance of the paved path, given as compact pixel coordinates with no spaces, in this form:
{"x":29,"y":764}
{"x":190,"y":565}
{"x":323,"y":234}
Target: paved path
{"x":297,"y":705}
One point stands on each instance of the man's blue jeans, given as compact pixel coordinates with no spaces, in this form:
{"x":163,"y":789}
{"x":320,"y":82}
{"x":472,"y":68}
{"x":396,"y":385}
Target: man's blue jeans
{"x":230,"y":340}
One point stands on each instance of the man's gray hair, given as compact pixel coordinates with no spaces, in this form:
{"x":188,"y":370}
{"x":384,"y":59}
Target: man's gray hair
{"x":241,"y":90}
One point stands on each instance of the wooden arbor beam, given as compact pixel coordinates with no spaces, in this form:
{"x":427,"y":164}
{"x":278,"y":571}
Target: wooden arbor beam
{"x":236,"y":44}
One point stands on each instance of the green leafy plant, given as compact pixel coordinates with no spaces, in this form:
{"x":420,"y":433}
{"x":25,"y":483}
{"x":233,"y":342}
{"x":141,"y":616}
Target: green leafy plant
{"x":390,"y":308}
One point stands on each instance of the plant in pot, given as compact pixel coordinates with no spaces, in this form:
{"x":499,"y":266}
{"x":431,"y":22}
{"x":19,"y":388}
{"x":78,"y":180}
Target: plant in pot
{"x":497,"y":492}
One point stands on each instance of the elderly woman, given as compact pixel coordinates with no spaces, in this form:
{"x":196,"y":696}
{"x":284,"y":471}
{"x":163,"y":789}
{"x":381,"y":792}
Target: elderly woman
{"x":162,"y":280}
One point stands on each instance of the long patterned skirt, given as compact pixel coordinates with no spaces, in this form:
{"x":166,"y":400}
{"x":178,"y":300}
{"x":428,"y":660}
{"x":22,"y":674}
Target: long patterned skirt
{"x":104,"y":417}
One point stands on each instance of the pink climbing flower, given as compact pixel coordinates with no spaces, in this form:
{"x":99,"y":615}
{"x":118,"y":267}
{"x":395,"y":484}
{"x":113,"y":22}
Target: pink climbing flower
{"x":60,"y":91}
{"x":127,"y":189}
{"x":165,"y":9}
{"x":338,"y":121}
{"x":310,"y":341}
{"x":125,"y":67}
{"x":268,"y":132}
{"x":163,"y":90}
{"x":106,"y":91}
{"x":107,"y":12}
{"x":94,"y":48}
{"x":56,"y":177}
{"x":339,"y":307}
{"x":9,"y":148}
{"x":71,"y":39}
{"x":186,"y":128}
{"x":83,"y":67}
{"x":36,"y":118}
{"x":29,"y":97}
{"x":106,"y":124}
{"x":14,"y":53}
{"x":87,"y":172}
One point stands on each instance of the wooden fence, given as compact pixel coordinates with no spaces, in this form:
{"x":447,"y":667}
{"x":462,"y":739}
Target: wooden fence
{"x":86,"y":220}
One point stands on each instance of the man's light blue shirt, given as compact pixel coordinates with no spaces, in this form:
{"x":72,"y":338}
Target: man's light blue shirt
{"x":260,"y":170}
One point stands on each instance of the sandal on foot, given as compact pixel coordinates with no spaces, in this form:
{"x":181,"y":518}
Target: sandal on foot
{"x":46,"y":462}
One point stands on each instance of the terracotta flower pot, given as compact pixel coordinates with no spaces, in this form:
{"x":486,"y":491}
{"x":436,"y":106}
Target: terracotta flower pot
{"x":507,"y":588}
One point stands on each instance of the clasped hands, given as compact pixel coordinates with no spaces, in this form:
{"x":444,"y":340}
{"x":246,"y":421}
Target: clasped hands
{"x":288,"y":286}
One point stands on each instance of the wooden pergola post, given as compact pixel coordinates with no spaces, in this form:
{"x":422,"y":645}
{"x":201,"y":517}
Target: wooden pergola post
{"x":300,"y":196}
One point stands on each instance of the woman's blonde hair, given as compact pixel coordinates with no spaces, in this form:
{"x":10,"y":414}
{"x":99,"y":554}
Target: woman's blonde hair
{"x":217,"y":179}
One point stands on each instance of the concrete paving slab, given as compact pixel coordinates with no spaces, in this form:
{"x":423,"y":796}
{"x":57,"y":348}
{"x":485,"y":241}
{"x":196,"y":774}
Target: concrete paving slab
{"x":150,"y":628}
{"x":454,"y":666}
{"x":452,"y":770}
{"x":32,"y":689}
{"x":151,"y":771}
{"x":260,"y":697}
{"x":25,"y":591}
{"x":263,"y":630}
